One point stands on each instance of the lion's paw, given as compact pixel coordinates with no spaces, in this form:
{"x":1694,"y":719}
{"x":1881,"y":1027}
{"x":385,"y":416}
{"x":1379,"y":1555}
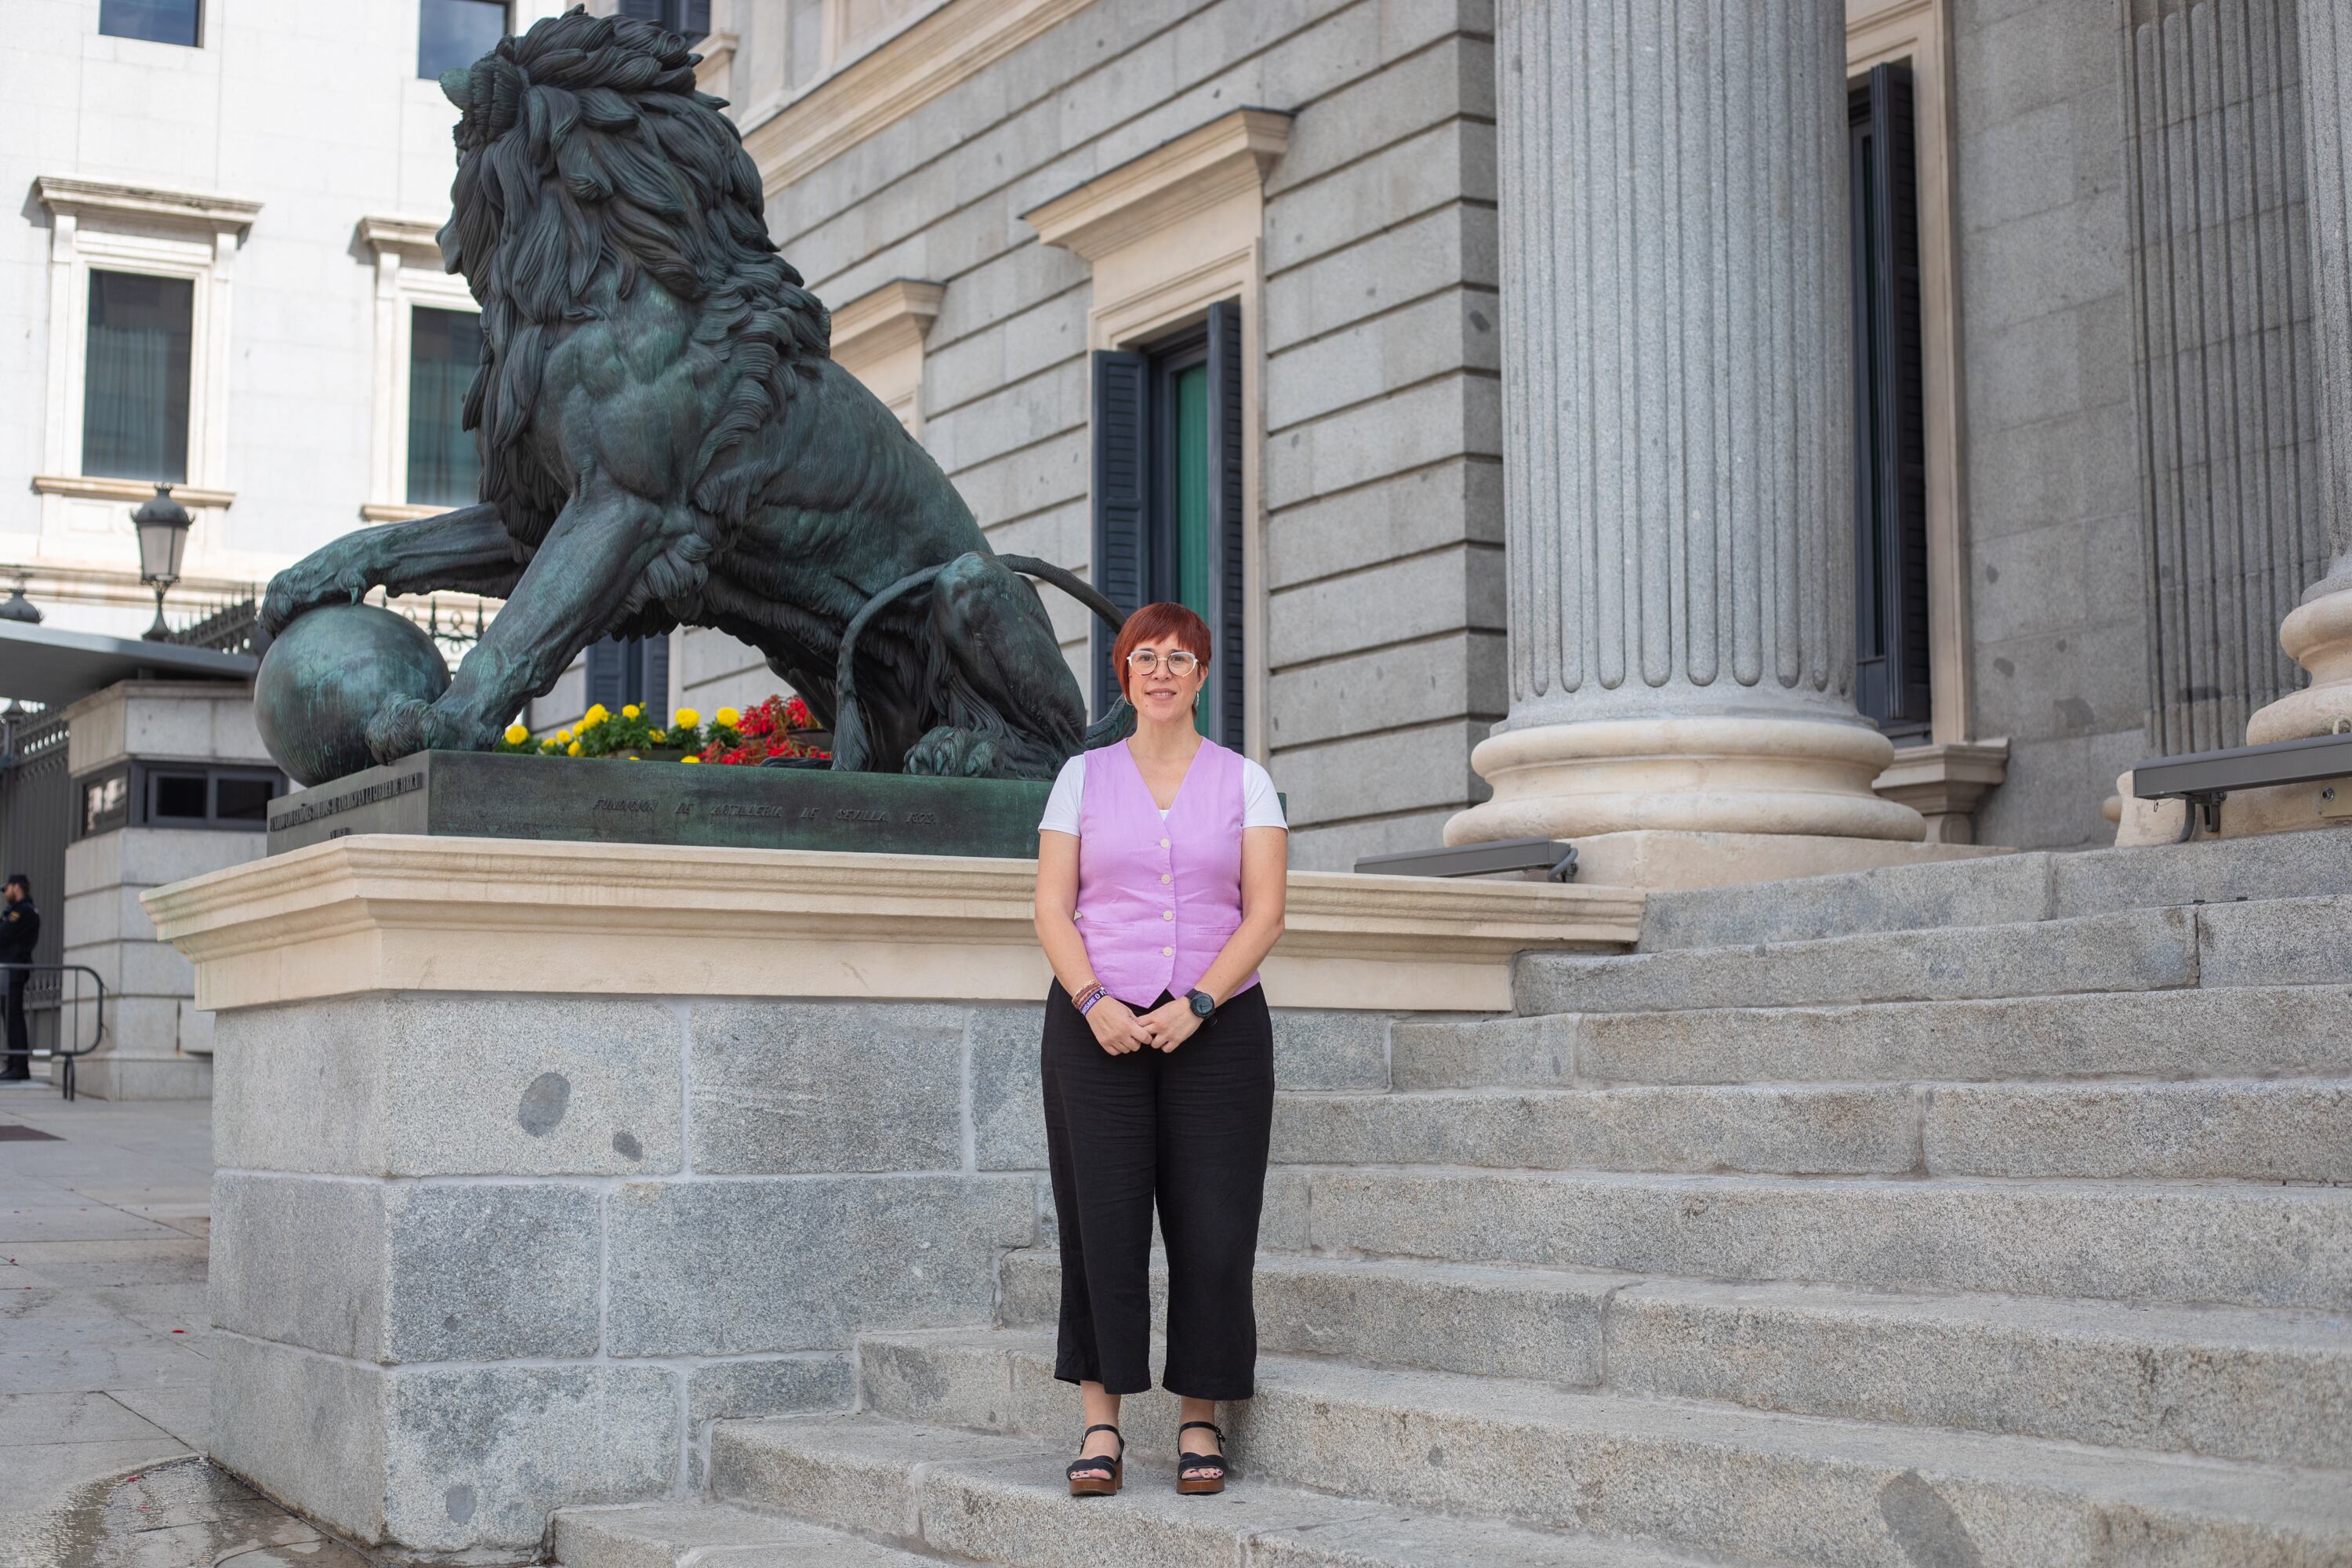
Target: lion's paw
{"x":328,"y":575}
{"x":952,"y":754}
{"x":402,"y":729}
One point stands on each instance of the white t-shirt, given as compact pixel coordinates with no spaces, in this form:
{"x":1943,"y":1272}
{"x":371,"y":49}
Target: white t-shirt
{"x":1260,"y":808}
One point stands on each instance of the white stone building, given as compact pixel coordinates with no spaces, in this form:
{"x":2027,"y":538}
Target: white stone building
{"x":248,"y":191}
{"x":222,"y":274}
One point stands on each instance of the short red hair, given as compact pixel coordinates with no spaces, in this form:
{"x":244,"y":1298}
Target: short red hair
{"x":1154,"y":621}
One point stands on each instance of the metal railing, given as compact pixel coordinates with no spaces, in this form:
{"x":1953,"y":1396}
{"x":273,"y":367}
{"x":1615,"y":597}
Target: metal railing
{"x":64,"y":1005}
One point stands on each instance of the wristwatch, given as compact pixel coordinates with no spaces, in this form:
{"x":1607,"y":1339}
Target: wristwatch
{"x":1204,"y":1006}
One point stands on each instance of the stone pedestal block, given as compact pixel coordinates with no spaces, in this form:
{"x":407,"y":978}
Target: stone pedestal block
{"x":536,"y":1158}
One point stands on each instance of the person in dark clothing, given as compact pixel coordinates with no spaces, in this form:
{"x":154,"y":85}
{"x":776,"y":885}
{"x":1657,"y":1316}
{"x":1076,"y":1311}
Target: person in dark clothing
{"x":20,"y":930}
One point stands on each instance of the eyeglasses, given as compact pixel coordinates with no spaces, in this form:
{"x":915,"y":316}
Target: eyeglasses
{"x":1144,"y":660}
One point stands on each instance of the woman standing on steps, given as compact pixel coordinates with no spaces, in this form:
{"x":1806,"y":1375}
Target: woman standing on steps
{"x":1160,"y":882}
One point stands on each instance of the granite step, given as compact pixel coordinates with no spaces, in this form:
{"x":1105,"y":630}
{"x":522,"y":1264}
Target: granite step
{"x":2286,"y":941}
{"x":711,"y":1535}
{"x":2223,"y":1382}
{"x":2293,"y":1130}
{"x":1806,"y":1129}
{"x":2001,"y":891}
{"x":2239,"y":1032}
{"x":2138,"y":1242}
{"x":1690,"y":1476}
{"x":1002,"y":1500}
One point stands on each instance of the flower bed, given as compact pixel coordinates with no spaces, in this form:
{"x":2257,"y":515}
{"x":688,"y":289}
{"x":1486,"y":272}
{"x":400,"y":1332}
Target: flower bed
{"x":780,"y":727}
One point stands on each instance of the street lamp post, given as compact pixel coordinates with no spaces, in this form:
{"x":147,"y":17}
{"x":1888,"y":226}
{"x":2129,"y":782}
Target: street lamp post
{"x":163,"y":525}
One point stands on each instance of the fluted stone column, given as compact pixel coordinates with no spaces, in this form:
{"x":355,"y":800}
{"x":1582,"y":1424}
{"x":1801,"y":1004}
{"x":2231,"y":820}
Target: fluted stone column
{"x":2318,"y":633}
{"x":1677,"y":392}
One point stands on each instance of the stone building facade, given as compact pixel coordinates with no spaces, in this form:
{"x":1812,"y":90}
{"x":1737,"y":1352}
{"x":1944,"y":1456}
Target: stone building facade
{"x":2068,"y":160}
{"x":2118,"y":487}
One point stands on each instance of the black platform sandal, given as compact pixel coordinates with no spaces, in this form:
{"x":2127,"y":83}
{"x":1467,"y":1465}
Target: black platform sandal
{"x":1200,"y":1486}
{"x":1100,"y":1475}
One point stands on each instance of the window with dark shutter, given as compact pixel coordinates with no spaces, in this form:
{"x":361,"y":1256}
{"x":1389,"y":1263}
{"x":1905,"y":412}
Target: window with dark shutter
{"x":1122,"y":542}
{"x":159,"y":21}
{"x":636,"y":670}
{"x":444,"y":350}
{"x":691,"y":18}
{"x":457,"y":32}
{"x":134,"y":410}
{"x":1168,"y":499}
{"x":1890,"y":470}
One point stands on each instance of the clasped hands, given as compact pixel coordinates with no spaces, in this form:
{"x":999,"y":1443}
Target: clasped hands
{"x":1119,"y":1031}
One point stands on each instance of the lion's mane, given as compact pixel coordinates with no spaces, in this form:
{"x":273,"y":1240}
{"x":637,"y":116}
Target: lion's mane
{"x":585,"y":155}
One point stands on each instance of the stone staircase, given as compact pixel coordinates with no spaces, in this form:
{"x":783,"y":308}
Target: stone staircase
{"x":1984,"y":1216}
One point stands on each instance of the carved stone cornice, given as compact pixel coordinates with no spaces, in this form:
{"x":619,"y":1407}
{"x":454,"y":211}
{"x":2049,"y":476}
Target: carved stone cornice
{"x":1226,"y":157}
{"x":409,"y":238}
{"x":395,"y":912}
{"x":186,"y":209}
{"x":896,"y":316}
{"x":931,"y":57}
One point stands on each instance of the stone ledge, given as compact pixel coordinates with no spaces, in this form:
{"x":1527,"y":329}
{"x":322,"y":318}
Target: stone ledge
{"x":1945,"y":782}
{"x":391,"y":912}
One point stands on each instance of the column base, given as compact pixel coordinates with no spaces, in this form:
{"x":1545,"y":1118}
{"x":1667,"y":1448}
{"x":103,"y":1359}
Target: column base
{"x":1759,"y":776}
{"x":2318,"y":636}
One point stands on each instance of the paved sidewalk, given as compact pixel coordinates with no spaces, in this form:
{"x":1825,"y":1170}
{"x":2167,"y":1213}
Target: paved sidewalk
{"x":104,"y":1382}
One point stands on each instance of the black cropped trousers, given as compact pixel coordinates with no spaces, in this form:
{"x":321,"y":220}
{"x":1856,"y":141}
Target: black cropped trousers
{"x":1189,"y":1130}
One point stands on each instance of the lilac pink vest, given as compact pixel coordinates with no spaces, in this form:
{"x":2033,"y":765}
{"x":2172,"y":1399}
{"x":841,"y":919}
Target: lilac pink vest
{"x":1157,"y":899}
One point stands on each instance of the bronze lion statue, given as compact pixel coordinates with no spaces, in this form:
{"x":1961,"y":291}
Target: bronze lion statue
{"x":665,"y":440}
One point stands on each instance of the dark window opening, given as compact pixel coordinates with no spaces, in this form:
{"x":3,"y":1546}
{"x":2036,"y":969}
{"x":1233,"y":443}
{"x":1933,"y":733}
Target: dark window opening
{"x":457,"y":32}
{"x":636,"y":670}
{"x":181,"y":796}
{"x":688,"y":19}
{"x":134,"y":409}
{"x":243,"y":799}
{"x":1890,"y":468}
{"x":444,"y":350}
{"x":1168,"y":499}
{"x":178,"y":794}
{"x":158,"y":21}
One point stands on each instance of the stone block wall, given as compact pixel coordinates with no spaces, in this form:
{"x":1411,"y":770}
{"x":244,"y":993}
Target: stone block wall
{"x":478,"y":1256}
{"x":1379,"y":481}
{"x":159,"y":1042}
{"x":2050,"y":440}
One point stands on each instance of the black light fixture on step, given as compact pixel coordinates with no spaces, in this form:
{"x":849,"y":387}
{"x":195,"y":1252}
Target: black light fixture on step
{"x":163,"y":525}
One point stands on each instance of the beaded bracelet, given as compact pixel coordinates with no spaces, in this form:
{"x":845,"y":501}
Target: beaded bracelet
{"x":1089,"y":997}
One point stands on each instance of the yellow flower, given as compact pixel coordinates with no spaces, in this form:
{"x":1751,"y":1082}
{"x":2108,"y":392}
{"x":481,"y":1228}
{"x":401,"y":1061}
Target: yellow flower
{"x":727,"y":718}
{"x":628,"y":710}
{"x":688,"y":718}
{"x":634,"y":757}
{"x":549,"y":746}
{"x":561,"y":736}
{"x":590,"y":719}
{"x":598,"y":710}
{"x":659,"y":736}
{"x":689,"y":759}
{"x":516,"y":734}
{"x":573,"y":750}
